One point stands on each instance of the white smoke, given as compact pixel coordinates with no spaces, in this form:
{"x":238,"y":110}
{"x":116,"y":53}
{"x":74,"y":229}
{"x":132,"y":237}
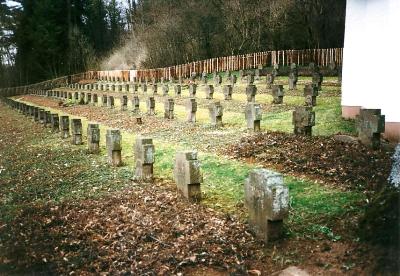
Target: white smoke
{"x":129,"y":56}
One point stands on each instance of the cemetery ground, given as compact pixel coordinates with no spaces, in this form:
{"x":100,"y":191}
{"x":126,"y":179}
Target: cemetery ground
{"x":65,"y":211}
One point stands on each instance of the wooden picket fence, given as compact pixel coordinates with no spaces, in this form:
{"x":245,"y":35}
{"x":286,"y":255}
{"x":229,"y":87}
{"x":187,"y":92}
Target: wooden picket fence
{"x":322,"y":57}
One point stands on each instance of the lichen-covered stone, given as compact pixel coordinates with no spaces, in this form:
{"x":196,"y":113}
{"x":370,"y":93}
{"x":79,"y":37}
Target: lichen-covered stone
{"x":124,"y":102}
{"x":64,"y":127}
{"x":151,"y":105}
{"x":192,"y":90}
{"x":55,"y":123}
{"x":293,"y":76}
{"x":209,"y":91}
{"x":216,"y":111}
{"x":228,"y":92}
{"x":251,"y":91}
{"x":267,"y":200}
{"x":169,"y":108}
{"x":277,"y":94}
{"x":144,"y":158}
{"x":370,"y":124}
{"x":310,"y":94}
{"x":111,"y":102}
{"x":187,"y":174}
{"x":76,"y":131}
{"x":253,"y":114}
{"x":165,"y":89}
{"x":114,"y":147}
{"x":93,"y":137}
{"x":191,"y":109}
{"x":47,"y":119}
{"x":303,"y":120}
{"x":204,"y":78}
{"x":135,"y":104}
{"x":177,"y":90}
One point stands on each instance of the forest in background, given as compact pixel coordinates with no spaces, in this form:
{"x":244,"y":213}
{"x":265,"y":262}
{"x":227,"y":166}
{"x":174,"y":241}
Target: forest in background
{"x":43,"y":39}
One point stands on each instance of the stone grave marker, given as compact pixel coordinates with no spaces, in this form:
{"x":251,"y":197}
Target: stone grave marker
{"x":95,"y":99}
{"x":42,"y":116}
{"x":133,"y":88}
{"x":204,"y":78}
{"x":177,"y":90}
{"x":76,"y":131}
{"x":64,"y":127}
{"x":169,"y":108}
{"x":187,"y":175}
{"x":310,"y":94}
{"x":228,"y":92}
{"x":36,"y":116}
{"x":88,"y":98}
{"x":192,"y":90}
{"x":154,"y":87}
{"x":257,"y":74}
{"x":275,"y":70}
{"x":303,"y":120}
{"x":317,"y":77}
{"x":277,"y":94}
{"x":250,"y":78}
{"x":227,"y":75}
{"x":241,"y":75}
{"x":293,"y":76}
{"x":114,"y":148}
{"x":55,"y":123}
{"x":93,"y":136}
{"x":111,"y":102}
{"x":151,"y":105}
{"x":144,"y":88}
{"x":267,"y":201}
{"x":144,"y":158}
{"x":191,"y":108}
{"x":217,"y":80}
{"x":216,"y":111}
{"x":253,"y":114}
{"x":209,"y":89}
{"x":233,"y":80}
{"x":165,"y":89}
{"x":370,"y":124}
{"x":124,"y":103}
{"x":135,"y":104}
{"x":104,"y":100}
{"x":47,"y":120}
{"x":251,"y":91}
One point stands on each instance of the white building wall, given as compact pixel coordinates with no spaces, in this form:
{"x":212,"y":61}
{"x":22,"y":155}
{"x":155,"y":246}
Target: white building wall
{"x":371,"y":57}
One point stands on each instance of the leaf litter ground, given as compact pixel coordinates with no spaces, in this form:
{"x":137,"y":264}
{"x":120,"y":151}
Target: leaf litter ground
{"x":102,"y":233}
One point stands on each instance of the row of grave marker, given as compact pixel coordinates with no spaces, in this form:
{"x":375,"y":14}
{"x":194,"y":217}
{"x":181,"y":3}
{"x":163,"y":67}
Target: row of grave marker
{"x":90,"y":76}
{"x":317,"y":79}
{"x":303,"y":116}
{"x":266,"y":195}
{"x":370,"y":123}
{"x":310,"y":93}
